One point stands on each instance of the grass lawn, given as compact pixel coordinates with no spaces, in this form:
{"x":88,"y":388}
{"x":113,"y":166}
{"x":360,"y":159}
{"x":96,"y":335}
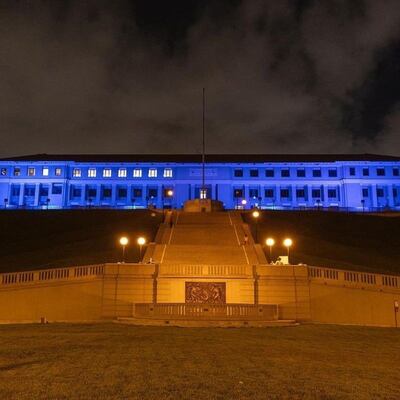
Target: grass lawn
{"x":110,"y":361}
{"x":332,"y":239}
{"x":46,"y":239}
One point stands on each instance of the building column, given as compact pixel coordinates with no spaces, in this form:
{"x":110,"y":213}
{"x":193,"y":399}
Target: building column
{"x":21,"y":194}
{"x":113,"y":195}
{"x":37,"y":195}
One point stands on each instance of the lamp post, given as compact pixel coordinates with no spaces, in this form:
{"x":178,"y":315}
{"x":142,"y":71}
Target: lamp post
{"x":256,"y":215}
{"x":287,"y":243}
{"x":270,"y":242}
{"x":244,"y":202}
{"x":141,"y":242}
{"x":123,"y":241}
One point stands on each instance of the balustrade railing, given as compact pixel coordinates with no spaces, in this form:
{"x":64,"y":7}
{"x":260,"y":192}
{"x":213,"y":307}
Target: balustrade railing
{"x":204,"y":270}
{"x":264,"y":312}
{"x":354,"y":278}
{"x":17,"y":278}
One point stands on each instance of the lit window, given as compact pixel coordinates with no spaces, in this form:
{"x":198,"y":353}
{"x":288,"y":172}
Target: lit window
{"x":167,"y":173}
{"x":58,"y":171}
{"x":45,"y":171}
{"x":152,"y":173}
{"x":106,"y":172}
{"x":92,"y":173}
{"x":17,"y":171}
{"x":76,"y":173}
{"x":203,"y":193}
{"x":137,"y":173}
{"x":122,"y":173}
{"x":3,"y":171}
{"x":31,"y":171}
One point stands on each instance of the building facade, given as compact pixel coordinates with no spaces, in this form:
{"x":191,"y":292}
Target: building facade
{"x":353,"y":182}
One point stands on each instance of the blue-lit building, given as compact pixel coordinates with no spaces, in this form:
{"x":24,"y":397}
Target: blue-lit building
{"x":353,"y":182}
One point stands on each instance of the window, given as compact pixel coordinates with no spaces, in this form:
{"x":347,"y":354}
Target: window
{"x":76,"y":191}
{"x":300,"y":193}
{"x":380,"y":171}
{"x":45,"y":171}
{"x":15,"y":190}
{"x":379,"y":192}
{"x":17,"y":171}
{"x":167,"y":173}
{"x":136,"y":192}
{"x":285,"y":173}
{"x":316,"y":193}
{"x":29,"y":191}
{"x":253,"y":193}
{"x":395,"y":192}
{"x":137,"y":173}
{"x":395,"y":172}
{"x":122,"y":173}
{"x":352,"y":171}
{"x":76,"y":173}
{"x":332,"y":173}
{"x":238,"y":173}
{"x":44,"y":191}
{"x":269,"y":193}
{"x":92,"y":173}
{"x":365,"y":192}
{"x":122,"y":193}
{"x":56,"y":188}
{"x":316,"y":173}
{"x":107,"y":173}
{"x":3,"y":171}
{"x":31,"y":171}
{"x":301,"y":173}
{"x":237,"y":193}
{"x":58,"y":172}
{"x":106,"y":192}
{"x":91,"y":193}
{"x":152,"y":193}
{"x":254,"y":173}
{"x":365,"y":171}
{"x":285,"y":193}
{"x":269,"y":173}
{"x":332,"y":193}
{"x":152,"y":173}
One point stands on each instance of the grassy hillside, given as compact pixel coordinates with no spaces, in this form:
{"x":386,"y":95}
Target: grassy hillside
{"x":355,"y":241}
{"x":44,"y":239}
{"x":110,"y":361}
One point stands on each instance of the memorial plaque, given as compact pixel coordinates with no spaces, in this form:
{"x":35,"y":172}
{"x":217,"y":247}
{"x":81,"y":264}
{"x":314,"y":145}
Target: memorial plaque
{"x":205,"y":292}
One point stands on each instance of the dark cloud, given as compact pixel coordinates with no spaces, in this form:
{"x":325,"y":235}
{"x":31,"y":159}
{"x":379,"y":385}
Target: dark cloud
{"x":126,"y":76}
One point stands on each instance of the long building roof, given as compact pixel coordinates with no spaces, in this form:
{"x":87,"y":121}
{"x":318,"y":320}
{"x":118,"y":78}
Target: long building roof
{"x":196,"y":158}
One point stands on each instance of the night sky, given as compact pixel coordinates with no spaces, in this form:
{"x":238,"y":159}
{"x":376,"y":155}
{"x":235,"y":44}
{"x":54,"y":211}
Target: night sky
{"x":281,"y":76}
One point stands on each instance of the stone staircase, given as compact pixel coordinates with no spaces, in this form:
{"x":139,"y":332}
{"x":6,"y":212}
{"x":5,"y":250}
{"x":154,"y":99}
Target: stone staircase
{"x":204,"y":238}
